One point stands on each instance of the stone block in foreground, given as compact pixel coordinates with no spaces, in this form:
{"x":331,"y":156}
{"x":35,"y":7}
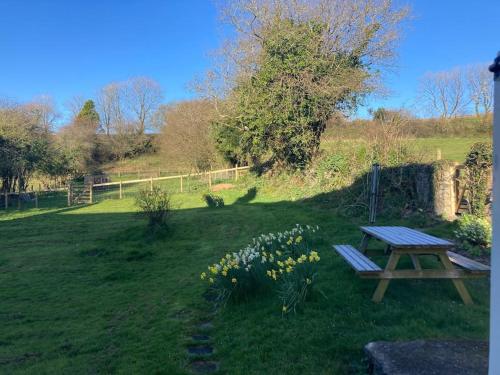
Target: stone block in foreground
{"x":422,"y":357}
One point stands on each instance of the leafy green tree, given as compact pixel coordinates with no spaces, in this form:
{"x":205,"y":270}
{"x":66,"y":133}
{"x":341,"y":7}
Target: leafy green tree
{"x":282,"y":109}
{"x":88,"y":114}
{"x":289,"y":66}
{"x":24,"y":145}
{"x":80,"y":142}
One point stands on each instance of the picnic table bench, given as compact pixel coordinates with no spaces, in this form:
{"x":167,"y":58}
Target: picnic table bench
{"x":405,"y":241}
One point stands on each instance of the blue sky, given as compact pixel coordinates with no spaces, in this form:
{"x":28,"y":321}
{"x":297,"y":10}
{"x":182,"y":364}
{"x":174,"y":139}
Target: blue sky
{"x":65,"y":48}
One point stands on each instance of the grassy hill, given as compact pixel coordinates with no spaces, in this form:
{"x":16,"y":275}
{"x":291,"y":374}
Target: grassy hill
{"x":451,"y":148}
{"x":454,"y":149}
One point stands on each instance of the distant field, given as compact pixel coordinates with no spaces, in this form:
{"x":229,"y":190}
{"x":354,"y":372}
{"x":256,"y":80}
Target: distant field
{"x":141,"y":163}
{"x":451,"y":148}
{"x":150,"y":165}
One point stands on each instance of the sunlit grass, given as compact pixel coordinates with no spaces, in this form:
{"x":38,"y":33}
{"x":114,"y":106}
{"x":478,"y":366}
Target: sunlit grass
{"x":87,"y":290}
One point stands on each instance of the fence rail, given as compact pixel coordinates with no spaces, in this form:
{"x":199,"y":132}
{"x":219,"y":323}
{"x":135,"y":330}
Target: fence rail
{"x":207,"y":173}
{"x":85,"y":193}
{"x":105,"y":190}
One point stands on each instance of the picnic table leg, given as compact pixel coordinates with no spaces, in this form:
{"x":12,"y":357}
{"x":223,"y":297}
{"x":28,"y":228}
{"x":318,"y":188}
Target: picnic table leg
{"x":416,"y":262}
{"x":383,"y":284}
{"x":364,"y":243}
{"x":387,"y":249}
{"x":459,"y":284}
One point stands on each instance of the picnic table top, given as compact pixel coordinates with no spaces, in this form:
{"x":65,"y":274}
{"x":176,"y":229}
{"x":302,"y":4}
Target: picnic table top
{"x":403,"y":237}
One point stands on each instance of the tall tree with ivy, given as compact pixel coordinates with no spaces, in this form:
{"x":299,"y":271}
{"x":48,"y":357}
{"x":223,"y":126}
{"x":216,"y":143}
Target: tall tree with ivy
{"x":293,"y":65}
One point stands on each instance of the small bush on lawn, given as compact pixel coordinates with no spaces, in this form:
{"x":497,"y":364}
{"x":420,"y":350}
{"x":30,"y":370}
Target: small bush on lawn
{"x":284,"y":259}
{"x":474,"y":233}
{"x":213,"y":201}
{"x":155,"y":206}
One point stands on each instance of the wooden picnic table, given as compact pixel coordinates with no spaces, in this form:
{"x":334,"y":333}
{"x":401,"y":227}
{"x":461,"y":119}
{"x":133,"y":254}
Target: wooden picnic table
{"x":406,"y":241}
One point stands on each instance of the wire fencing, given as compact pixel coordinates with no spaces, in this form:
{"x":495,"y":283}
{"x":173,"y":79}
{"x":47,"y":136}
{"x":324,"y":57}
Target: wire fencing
{"x":43,"y":199}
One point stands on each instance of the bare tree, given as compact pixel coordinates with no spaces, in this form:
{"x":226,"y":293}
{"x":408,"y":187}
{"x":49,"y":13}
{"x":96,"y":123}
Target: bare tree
{"x":43,"y":109}
{"x":110,"y":106}
{"x":74,"y":105}
{"x":143,"y":96}
{"x":185,"y":134}
{"x":444,"y":94}
{"x":480,"y":87}
{"x":370,"y":26}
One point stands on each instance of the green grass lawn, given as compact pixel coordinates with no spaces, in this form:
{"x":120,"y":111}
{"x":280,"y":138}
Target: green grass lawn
{"x":86,"y":290}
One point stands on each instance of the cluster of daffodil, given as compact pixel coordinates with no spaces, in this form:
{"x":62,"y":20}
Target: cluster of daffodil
{"x":277,"y":241}
{"x":289,"y":264}
{"x":243,"y":260}
{"x":273,"y":254}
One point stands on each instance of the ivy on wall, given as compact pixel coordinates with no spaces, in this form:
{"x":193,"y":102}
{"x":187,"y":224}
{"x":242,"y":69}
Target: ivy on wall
{"x":477,"y":174}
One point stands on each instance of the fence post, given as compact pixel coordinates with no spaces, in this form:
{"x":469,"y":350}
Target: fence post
{"x":236,"y":173}
{"x":438,"y":154}
{"x":36,"y":199}
{"x":69,"y":194}
{"x":209,"y":180}
{"x":494,"y":365}
{"x":91,"y":193}
{"x":374,"y":192}
{"x":181,"y":185}
{"x":151,"y":184}
{"x":121,"y":191}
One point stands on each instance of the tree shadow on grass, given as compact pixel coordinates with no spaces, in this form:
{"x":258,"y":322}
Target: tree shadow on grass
{"x":248,"y":197}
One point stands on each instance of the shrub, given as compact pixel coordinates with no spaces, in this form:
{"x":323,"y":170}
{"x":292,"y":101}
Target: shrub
{"x":283,"y":258}
{"x":155,"y":206}
{"x":333,"y":164}
{"x":474,"y":233}
{"x":213,"y":201}
{"x":478,"y":164}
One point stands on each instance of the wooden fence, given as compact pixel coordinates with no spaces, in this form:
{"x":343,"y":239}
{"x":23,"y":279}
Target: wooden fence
{"x":85,"y":193}
{"x":208,"y":175}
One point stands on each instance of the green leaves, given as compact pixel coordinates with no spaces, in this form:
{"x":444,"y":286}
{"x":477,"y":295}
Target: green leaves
{"x":478,"y":165}
{"x":281,"y":110}
{"x":88,"y":113}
